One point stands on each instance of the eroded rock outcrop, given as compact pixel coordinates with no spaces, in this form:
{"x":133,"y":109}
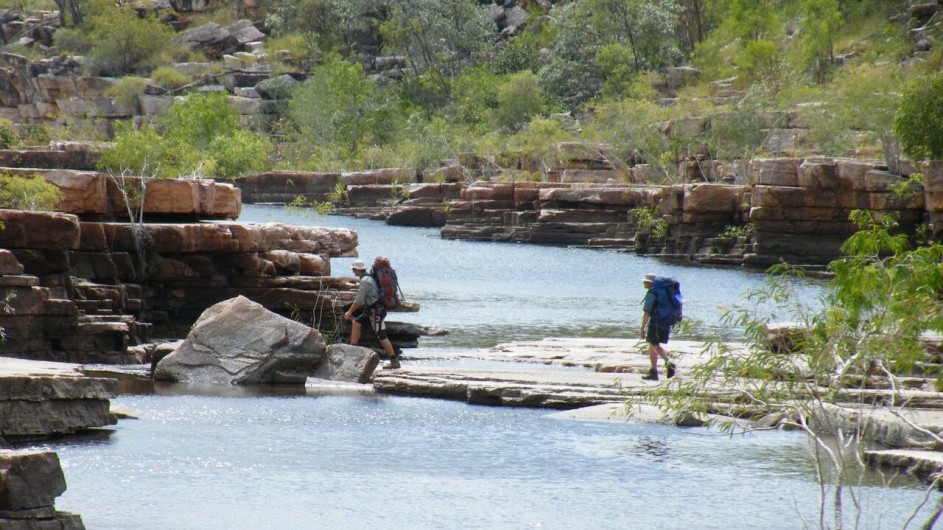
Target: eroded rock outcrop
{"x":88,"y":290}
{"x":30,"y":481}
{"x":240,"y":342}
{"x":39,"y":399}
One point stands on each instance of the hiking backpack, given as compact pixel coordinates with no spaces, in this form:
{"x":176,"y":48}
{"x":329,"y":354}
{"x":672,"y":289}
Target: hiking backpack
{"x":668,"y":301}
{"x":387,"y":284}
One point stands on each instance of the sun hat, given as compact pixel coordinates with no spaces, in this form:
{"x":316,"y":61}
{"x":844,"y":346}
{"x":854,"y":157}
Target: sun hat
{"x":359,"y":265}
{"x":649,"y":278}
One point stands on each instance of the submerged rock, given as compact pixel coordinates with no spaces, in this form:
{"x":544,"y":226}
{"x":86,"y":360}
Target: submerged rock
{"x":351,"y":364}
{"x":240,"y":342}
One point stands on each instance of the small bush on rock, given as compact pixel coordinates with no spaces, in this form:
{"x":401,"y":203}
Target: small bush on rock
{"x":28,"y":193}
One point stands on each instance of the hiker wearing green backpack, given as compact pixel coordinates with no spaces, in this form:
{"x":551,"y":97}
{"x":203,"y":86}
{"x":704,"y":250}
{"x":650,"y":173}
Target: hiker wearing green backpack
{"x":661,"y":309}
{"x":368,"y":309}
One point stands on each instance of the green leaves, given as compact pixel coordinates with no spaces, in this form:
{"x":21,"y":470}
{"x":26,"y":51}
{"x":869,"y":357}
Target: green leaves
{"x":200,"y":135}
{"x":918,"y":123}
{"x":28,"y":193}
{"x":123,"y":42}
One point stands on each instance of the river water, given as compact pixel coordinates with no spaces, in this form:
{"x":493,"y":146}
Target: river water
{"x":236,"y":458}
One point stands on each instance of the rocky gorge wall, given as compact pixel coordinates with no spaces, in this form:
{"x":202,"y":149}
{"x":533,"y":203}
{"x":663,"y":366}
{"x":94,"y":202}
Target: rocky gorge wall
{"x":793,"y":210}
{"x":80,"y":288}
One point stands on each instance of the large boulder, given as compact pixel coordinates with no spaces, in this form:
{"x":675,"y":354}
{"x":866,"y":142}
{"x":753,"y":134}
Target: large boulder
{"x":349,"y":364}
{"x":238,"y":341}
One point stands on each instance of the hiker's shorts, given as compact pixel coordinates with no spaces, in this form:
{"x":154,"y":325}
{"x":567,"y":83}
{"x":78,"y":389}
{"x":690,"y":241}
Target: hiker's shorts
{"x":374,"y":317}
{"x":656,"y":335}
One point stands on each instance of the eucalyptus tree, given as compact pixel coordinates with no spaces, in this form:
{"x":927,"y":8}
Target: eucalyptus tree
{"x":440,"y":36}
{"x":821,"y":20}
{"x":918,"y":122}
{"x":648,"y":28}
{"x":336,"y":25}
{"x":338,"y":106}
{"x":570,"y":74}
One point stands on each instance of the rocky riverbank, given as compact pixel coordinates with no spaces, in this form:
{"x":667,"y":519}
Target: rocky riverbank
{"x":793,"y":210}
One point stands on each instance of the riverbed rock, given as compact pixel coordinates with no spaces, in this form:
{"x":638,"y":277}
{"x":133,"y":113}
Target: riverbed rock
{"x":30,"y":481}
{"x":238,"y":341}
{"x":347,"y":363}
{"x":47,"y":399}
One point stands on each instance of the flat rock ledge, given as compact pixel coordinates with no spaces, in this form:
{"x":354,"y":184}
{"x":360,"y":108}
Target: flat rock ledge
{"x":617,"y":366}
{"x":592,"y":379}
{"x":40,"y":399}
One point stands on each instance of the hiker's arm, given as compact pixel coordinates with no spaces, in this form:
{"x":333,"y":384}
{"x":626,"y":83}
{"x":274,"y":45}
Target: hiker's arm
{"x":645,"y":317}
{"x":353,"y":309}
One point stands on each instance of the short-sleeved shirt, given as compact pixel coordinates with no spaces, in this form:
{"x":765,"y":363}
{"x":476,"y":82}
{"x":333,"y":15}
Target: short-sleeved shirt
{"x":367,"y":292}
{"x":648,"y":304}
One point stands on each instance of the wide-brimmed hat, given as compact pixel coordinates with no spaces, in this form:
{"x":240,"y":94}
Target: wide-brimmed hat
{"x":648,"y":278}
{"x":359,"y":265}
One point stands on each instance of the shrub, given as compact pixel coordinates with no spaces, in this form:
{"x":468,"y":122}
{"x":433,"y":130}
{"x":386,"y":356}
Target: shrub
{"x":240,"y":153}
{"x":128,"y":91}
{"x":918,"y":122}
{"x":28,"y":193}
{"x":124,"y":42}
{"x":73,"y":40}
{"x":145,"y":152}
{"x":200,"y":118}
{"x":519,"y":99}
{"x":8,"y":136}
{"x":168,"y":77}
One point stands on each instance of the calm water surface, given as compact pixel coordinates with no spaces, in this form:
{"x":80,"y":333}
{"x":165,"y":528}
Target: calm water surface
{"x":201,"y":457}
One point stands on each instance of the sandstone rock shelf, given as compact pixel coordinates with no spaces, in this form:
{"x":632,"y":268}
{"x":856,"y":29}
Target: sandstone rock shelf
{"x":593,"y":378}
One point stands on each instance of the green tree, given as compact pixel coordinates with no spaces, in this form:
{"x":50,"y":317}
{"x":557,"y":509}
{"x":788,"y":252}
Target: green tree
{"x":646,"y":27}
{"x":918,"y":123}
{"x":145,"y":152}
{"x":474,"y":95}
{"x":570,"y":74}
{"x":239,"y":153}
{"x":199,"y":135}
{"x":518,"y":53}
{"x":123,"y":42}
{"x":28,"y":193}
{"x":437,"y":35}
{"x":519,"y":100}
{"x":821,"y":20}
{"x":339,"y":106}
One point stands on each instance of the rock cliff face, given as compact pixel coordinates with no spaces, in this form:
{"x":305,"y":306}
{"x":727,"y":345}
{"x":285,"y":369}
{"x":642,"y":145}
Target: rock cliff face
{"x":84,"y":291}
{"x":793,"y":210}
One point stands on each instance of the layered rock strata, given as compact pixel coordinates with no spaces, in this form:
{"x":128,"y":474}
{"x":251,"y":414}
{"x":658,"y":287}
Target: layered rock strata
{"x":85,"y":291}
{"x":39,"y":399}
{"x":30,"y":481}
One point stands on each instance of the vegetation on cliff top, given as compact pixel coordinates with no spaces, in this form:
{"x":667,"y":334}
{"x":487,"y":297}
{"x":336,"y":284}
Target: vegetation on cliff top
{"x":596,"y":68}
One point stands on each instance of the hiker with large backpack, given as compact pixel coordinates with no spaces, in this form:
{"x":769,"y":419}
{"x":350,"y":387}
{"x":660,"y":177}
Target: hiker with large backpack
{"x":377,"y":292}
{"x":661,"y":309}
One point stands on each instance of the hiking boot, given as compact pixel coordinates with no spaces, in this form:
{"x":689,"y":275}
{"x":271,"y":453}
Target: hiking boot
{"x":652,"y":375}
{"x":393,"y":364}
{"x":670,"y":369}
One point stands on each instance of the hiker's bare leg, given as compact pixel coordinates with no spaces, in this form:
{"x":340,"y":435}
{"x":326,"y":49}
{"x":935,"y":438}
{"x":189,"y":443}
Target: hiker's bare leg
{"x":388,"y":348}
{"x":662,"y":352}
{"x":354,"y":332}
{"x":653,"y":355}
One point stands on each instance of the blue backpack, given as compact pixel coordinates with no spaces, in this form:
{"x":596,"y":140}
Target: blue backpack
{"x":668,"y":301}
